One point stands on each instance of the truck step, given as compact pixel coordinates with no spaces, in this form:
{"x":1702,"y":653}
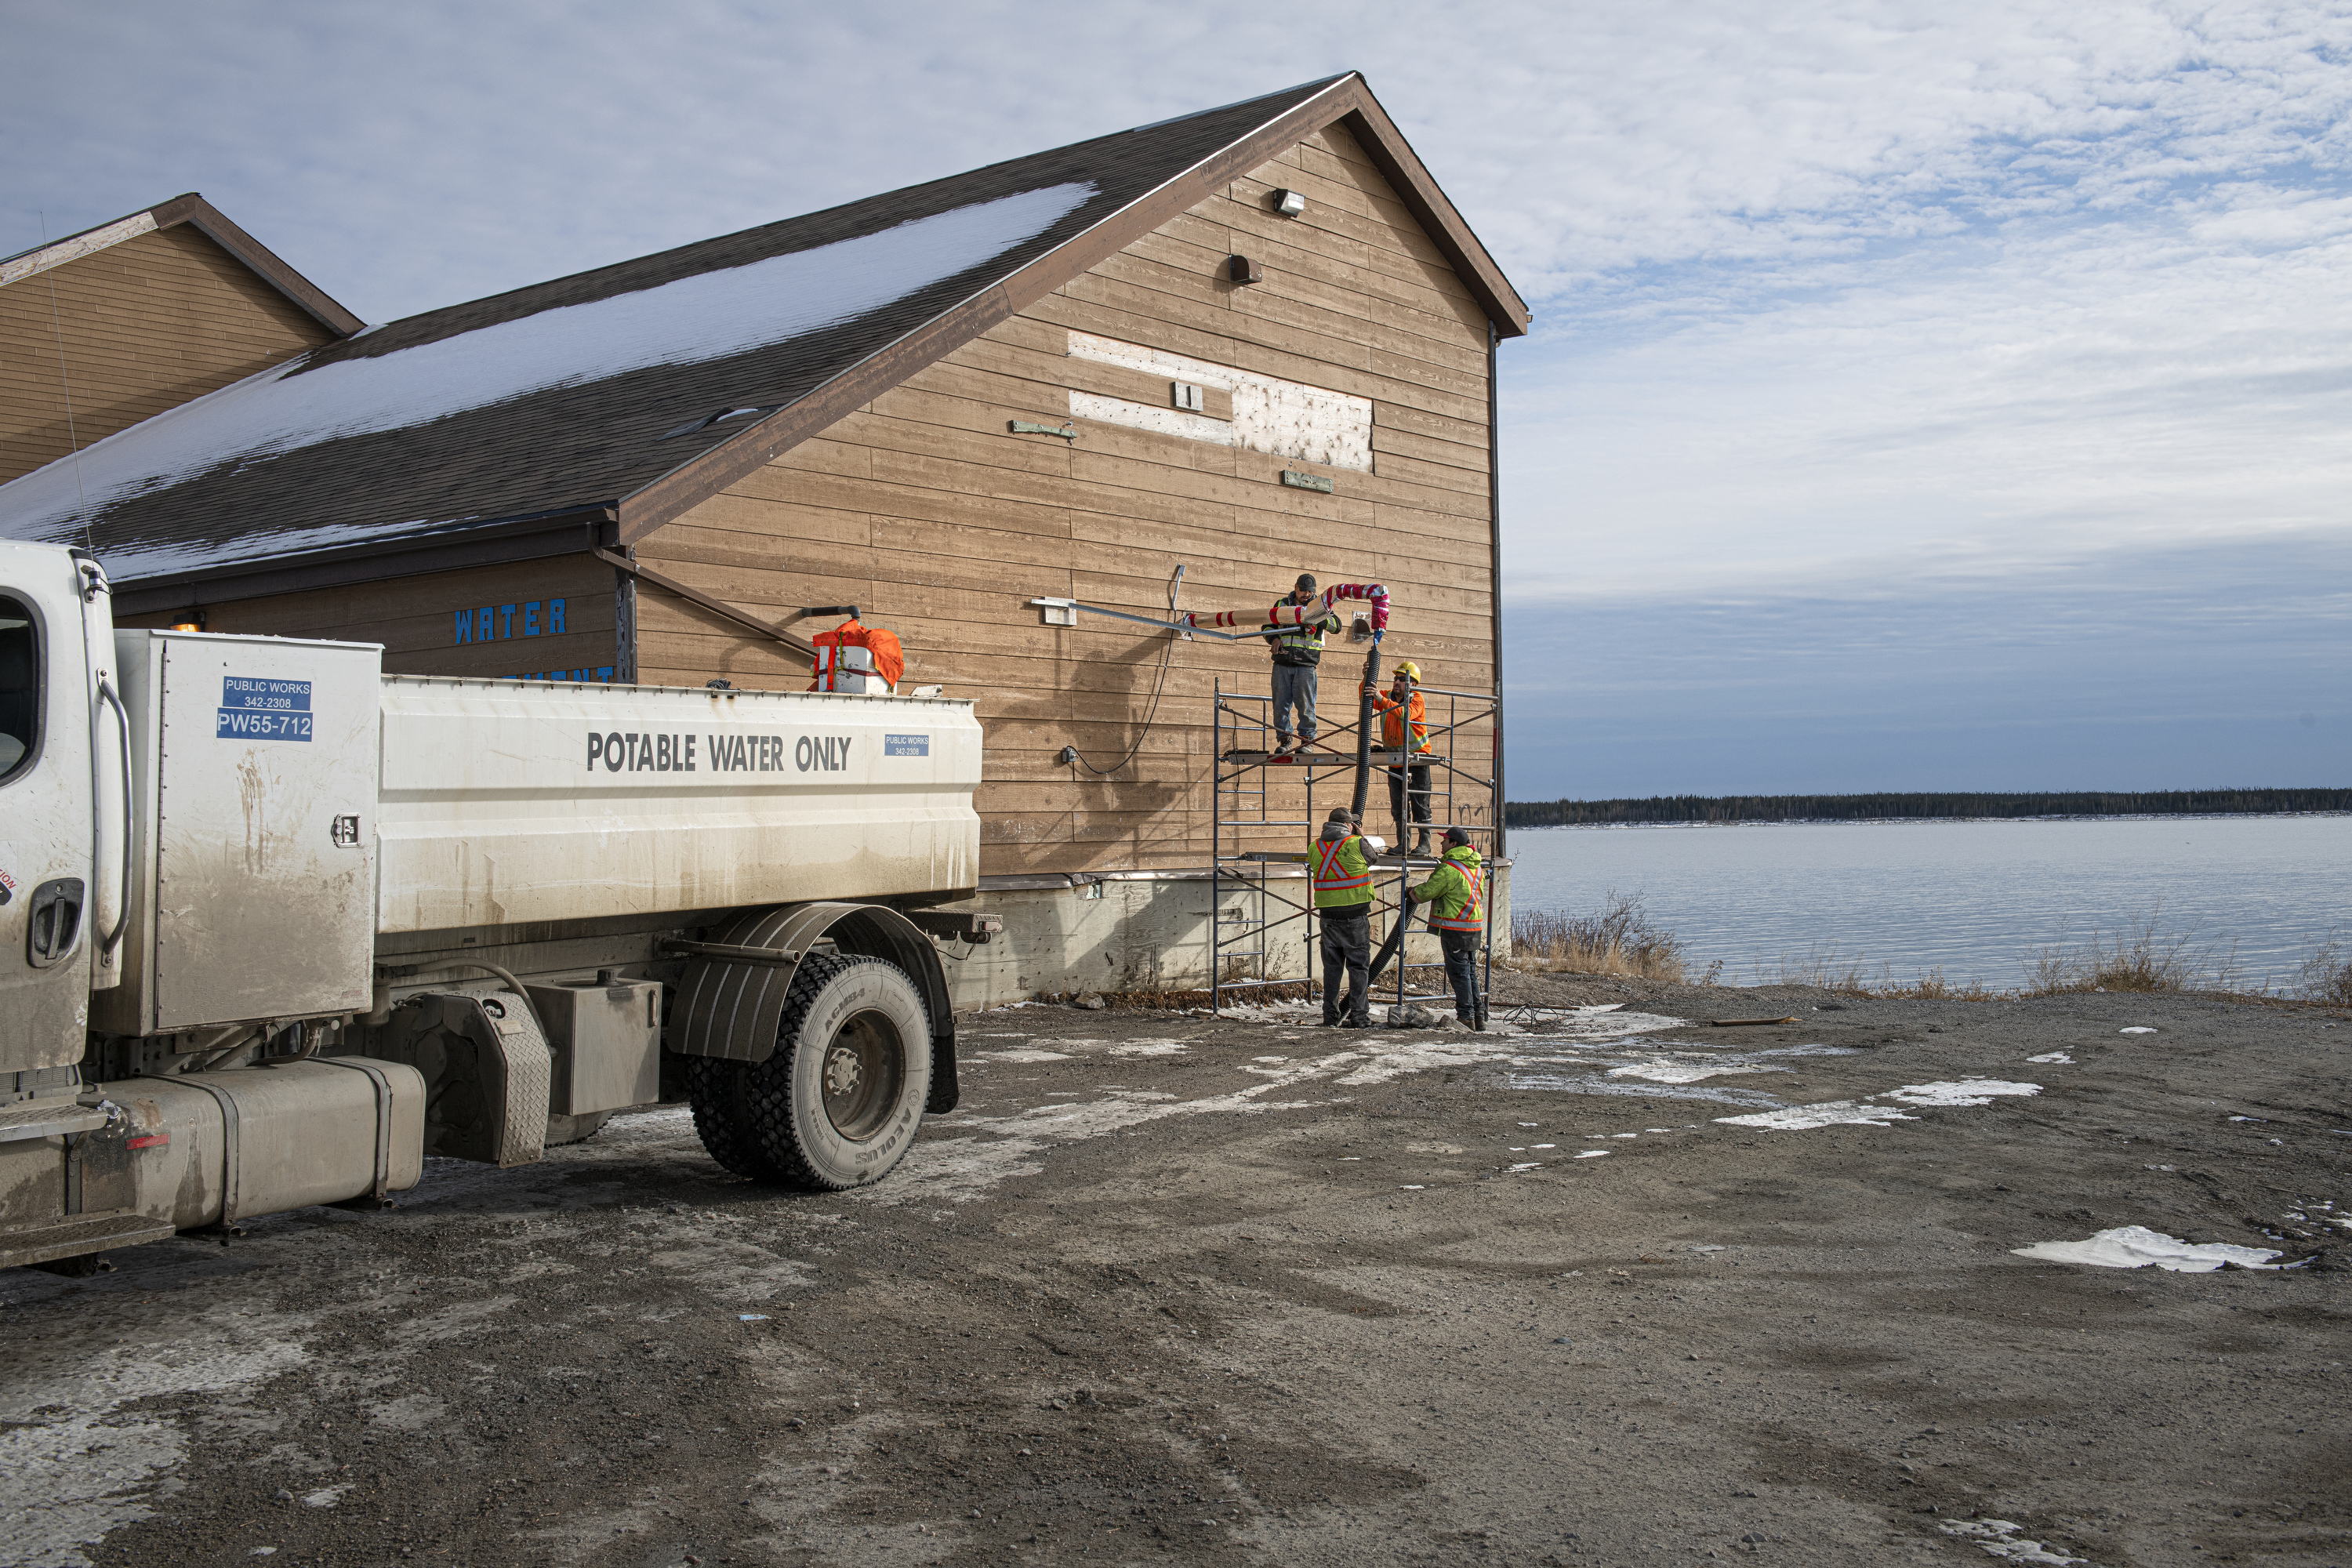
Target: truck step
{"x":47,"y":1119}
{"x":89,"y":1233}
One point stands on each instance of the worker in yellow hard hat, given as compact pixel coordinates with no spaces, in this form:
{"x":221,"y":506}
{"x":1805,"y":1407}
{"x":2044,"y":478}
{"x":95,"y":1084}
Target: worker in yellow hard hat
{"x":1404,"y":727}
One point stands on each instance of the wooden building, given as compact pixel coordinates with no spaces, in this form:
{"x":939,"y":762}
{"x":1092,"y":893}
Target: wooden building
{"x":633,"y":473}
{"x":105,"y":328}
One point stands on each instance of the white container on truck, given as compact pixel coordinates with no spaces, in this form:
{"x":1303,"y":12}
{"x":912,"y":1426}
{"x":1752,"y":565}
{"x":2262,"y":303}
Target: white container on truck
{"x":274,"y":926}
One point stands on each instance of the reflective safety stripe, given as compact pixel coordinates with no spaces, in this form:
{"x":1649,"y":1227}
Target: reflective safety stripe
{"x":1471,"y":915}
{"x":1310,"y":641}
{"x":1331,"y":877}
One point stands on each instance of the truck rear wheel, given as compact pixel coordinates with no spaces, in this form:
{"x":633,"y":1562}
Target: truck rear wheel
{"x":838,"y":1102}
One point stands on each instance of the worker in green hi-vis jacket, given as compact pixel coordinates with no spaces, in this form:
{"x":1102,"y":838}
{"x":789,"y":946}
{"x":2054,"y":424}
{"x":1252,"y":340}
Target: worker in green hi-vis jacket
{"x":1343,"y":906}
{"x":1455,"y":898}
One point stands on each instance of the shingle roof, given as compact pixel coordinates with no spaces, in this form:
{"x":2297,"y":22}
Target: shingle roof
{"x":583,"y":391}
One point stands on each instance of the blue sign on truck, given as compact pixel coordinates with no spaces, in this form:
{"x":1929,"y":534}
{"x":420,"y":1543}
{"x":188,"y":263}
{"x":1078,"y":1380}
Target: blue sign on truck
{"x":256,"y":709}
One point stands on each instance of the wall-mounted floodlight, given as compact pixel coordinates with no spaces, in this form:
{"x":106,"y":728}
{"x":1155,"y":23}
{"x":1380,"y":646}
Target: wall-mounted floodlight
{"x":1058,"y":612}
{"x":1289,"y":204}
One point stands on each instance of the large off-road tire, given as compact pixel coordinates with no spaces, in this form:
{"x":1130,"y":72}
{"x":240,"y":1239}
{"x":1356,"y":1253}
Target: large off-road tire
{"x":838,"y":1102}
{"x":719,"y":1092}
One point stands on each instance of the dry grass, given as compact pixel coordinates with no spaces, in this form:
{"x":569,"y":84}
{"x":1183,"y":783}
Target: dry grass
{"x":1828,"y":970}
{"x":2140,"y":957}
{"x":2327,"y":974}
{"x":1618,"y":940}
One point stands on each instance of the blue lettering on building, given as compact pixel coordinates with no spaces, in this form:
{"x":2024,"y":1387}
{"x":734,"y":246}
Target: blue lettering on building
{"x":496,"y":622}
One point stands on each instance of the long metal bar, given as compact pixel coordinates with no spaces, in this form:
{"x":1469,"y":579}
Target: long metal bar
{"x":1164,"y":624}
{"x":1500,"y":790}
{"x":717,"y":606}
{"x":1216,"y":843}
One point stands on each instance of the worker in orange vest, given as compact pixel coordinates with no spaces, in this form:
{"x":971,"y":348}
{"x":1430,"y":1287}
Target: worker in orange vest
{"x":1404,"y":727}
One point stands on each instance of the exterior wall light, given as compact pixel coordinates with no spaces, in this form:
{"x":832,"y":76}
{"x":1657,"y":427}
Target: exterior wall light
{"x":1289,"y":204}
{"x":1241,"y":269}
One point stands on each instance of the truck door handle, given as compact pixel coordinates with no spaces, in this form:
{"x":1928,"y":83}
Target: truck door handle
{"x":54,"y":926}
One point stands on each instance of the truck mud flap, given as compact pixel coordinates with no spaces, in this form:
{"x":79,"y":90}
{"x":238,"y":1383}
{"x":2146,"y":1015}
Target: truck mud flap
{"x":731,"y":999}
{"x":487,"y":1067}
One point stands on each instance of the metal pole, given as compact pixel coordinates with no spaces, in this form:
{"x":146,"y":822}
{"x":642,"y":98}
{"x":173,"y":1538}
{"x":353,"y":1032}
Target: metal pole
{"x":1494,"y":574}
{"x":1216,"y":842}
{"x":1498,"y":800}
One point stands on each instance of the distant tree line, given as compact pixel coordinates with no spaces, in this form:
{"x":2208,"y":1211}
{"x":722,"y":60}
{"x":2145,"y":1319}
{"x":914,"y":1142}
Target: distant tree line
{"x":1943,"y":807}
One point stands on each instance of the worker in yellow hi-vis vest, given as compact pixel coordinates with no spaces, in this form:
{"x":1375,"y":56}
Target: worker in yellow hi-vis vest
{"x":1455,"y":898}
{"x":1343,"y":905}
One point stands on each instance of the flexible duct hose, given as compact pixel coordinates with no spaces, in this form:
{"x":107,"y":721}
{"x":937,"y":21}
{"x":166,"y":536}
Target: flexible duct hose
{"x":1364,"y":729}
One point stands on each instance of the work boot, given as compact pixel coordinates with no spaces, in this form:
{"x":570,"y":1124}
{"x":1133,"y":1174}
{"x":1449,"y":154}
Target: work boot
{"x":1284,"y":745}
{"x":1422,"y":847}
{"x":1330,"y":1020}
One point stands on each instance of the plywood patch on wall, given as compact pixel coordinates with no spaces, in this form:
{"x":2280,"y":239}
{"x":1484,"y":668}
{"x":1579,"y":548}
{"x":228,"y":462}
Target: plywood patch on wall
{"x":1280,"y":418}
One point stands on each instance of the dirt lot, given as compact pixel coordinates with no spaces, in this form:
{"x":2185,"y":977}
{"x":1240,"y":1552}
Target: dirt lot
{"x":1174,"y":1289}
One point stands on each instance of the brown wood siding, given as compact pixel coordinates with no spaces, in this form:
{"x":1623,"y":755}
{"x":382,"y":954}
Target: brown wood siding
{"x":924,"y":511}
{"x":416,"y":618}
{"x":146,"y":325}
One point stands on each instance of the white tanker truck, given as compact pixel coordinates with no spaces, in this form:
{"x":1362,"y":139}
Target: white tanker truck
{"x":274,"y":925}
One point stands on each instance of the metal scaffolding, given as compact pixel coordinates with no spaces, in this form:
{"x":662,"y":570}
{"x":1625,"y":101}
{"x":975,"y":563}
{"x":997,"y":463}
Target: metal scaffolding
{"x":1242,"y":956}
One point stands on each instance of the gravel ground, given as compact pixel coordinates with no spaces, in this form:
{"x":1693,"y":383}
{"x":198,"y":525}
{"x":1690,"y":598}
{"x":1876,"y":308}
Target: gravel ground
{"x":1176,"y":1289}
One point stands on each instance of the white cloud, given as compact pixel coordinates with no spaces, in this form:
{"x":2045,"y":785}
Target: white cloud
{"x":1826,"y":291}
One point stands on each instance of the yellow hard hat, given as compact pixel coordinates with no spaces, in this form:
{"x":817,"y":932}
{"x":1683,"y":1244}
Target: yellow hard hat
{"x":1411,"y":672}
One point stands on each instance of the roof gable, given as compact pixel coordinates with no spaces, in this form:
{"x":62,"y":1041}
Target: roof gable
{"x":206,"y":218}
{"x":646,"y":386}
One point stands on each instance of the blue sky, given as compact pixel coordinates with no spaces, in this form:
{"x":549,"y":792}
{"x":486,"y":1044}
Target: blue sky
{"x":1921,"y":395}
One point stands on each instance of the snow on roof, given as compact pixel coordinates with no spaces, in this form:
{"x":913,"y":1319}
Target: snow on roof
{"x":568,"y":398}
{"x":706,"y":316}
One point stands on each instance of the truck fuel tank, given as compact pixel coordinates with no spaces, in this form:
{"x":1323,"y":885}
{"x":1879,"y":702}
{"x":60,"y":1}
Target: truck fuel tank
{"x":209,"y":1148}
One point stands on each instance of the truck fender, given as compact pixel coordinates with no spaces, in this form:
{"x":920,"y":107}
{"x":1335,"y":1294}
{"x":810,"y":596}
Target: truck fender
{"x":730,"y":1003}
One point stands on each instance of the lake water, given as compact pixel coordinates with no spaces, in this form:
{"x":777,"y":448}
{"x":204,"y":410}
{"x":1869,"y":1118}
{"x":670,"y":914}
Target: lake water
{"x":1978,"y":899}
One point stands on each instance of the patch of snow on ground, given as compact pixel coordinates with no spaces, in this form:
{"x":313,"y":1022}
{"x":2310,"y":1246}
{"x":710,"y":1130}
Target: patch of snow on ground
{"x":1827,"y":1113}
{"x":73,"y":1464}
{"x":2000,"y":1538}
{"x":1027,"y":1054}
{"x":1593,"y":1025}
{"x":1601,"y":1084}
{"x":2052,"y":1058}
{"x":1150,"y":1048}
{"x":1968,"y":1091}
{"x":1685,"y":1071}
{"x":2136,"y":1029}
{"x":2136,"y":1247}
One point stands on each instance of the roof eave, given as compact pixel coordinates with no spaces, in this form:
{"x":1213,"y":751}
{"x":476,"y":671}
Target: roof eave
{"x":570,"y":530}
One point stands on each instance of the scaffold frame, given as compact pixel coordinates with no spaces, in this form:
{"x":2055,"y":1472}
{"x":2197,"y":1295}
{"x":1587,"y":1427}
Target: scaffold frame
{"x":1239,"y":774}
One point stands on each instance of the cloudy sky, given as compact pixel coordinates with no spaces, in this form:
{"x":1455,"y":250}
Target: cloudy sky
{"x":1921,"y":396}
